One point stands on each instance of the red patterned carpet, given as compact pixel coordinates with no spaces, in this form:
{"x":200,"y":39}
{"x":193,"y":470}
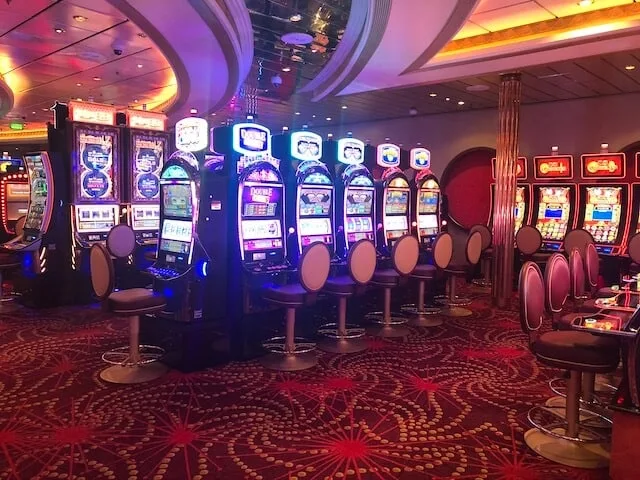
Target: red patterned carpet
{"x":449,"y":402}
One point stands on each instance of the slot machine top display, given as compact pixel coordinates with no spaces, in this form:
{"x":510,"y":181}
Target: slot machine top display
{"x":396,"y":193}
{"x":95,"y":170}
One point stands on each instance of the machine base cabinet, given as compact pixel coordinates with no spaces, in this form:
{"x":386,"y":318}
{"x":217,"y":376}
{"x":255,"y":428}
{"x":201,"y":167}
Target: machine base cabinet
{"x":625,"y":462}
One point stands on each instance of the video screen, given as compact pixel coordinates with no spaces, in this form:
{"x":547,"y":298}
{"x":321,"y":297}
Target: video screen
{"x":602,"y":213}
{"x":314,"y":226}
{"x":396,"y":202}
{"x":396,"y":223}
{"x":427,"y":221}
{"x":554,"y":206}
{"x":176,"y":199}
{"x":259,"y":229}
{"x":359,"y":201}
{"x":359,"y":224}
{"x":95,"y":218}
{"x":261,"y":200}
{"x":38,"y":191}
{"x":315,"y":202}
{"x":175,"y":237}
{"x":145,"y":217}
{"x":428,"y":202}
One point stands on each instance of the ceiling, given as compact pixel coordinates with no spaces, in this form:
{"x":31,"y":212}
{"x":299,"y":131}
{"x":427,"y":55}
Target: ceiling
{"x":54,"y":49}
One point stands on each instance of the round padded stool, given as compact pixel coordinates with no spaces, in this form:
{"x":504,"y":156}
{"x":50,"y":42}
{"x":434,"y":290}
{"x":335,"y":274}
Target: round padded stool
{"x":459,"y":267}
{"x":485,"y":257}
{"x":134,"y":363}
{"x":340,"y":337}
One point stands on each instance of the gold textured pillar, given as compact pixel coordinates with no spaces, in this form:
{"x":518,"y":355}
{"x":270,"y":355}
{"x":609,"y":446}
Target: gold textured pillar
{"x":505,"y":192}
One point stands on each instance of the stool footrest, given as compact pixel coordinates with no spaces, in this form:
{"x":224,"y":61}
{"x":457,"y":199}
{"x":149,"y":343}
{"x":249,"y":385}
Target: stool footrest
{"x":378,"y":317}
{"x":412,"y":309}
{"x":331,"y":330}
{"x":551,"y":423}
{"x":122,"y":356}
{"x":278,"y":345}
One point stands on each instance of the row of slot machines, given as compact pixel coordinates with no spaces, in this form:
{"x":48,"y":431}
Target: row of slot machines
{"x":238,"y":206}
{"x":600,"y":199}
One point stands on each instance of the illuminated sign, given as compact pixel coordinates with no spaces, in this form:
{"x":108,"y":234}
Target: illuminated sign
{"x":92,"y":113}
{"x":388,"y":155}
{"x":251,"y":139}
{"x":521,"y":168}
{"x":146,"y":120}
{"x":599,"y":165}
{"x":350,"y":151}
{"x":306,"y":146}
{"x":16,"y":126}
{"x":553,"y":166}
{"x":192,"y":134}
{"x":420,"y":159}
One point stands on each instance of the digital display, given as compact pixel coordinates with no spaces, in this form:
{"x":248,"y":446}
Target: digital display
{"x":315,"y":202}
{"x":95,"y":218}
{"x":554,"y":204}
{"x":148,"y":156}
{"x":96,"y":168}
{"x":396,"y":223}
{"x":261,"y":200}
{"x":38,"y":191}
{"x":519,"y":208}
{"x":315,"y":226}
{"x":427,"y":221}
{"x":177,"y":230}
{"x":396,"y":202}
{"x":428,"y":202}
{"x":602,"y":213}
{"x":18,"y":191}
{"x":145,"y":217}
{"x":359,"y":201}
{"x":176,"y":199}
{"x":259,"y":229}
{"x":359,"y":224}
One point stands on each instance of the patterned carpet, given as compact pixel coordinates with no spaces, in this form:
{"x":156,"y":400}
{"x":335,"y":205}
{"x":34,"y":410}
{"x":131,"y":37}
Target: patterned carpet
{"x":448,"y":402}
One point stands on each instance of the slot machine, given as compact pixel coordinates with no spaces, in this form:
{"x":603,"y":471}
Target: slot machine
{"x":604,"y":205}
{"x":14,"y":197}
{"x":427,"y":197}
{"x":554,"y":198}
{"x":393,"y":196}
{"x":45,"y":261}
{"x":522,"y":210}
{"x":634,"y":226}
{"x":145,"y":146}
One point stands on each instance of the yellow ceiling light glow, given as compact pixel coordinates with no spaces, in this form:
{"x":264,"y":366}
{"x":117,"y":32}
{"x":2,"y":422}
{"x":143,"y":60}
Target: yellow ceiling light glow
{"x":629,"y":67}
{"x":585,"y":3}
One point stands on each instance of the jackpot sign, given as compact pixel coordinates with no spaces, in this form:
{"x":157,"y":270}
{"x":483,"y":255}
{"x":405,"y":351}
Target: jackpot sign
{"x":350,"y":151}
{"x":306,"y":146}
{"x":251,"y":139}
{"x":420,"y":159}
{"x":388,"y":155}
{"x":192,"y":134}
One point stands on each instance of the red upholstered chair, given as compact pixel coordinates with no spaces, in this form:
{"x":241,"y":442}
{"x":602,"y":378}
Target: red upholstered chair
{"x":361,"y":264}
{"x":485,"y":257}
{"x":579,"y":239}
{"x":528,"y":242}
{"x":404,"y":256}
{"x":289,"y":353}
{"x":462,"y":260}
{"x":135,"y":363}
{"x":569,"y":442}
{"x":420,"y":315}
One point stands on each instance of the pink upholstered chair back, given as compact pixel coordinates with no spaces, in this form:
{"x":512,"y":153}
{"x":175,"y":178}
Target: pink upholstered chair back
{"x":528,"y":240}
{"x":531,"y":290}
{"x":579,"y":239}
{"x":405,"y":254}
{"x":487,"y":238}
{"x":576,"y":268}
{"x":592,"y":266}
{"x":103,"y":275}
{"x":361,"y":261}
{"x":557,"y":283}
{"x":314,"y":267}
{"x":442,"y":250}
{"x":474,"y":248}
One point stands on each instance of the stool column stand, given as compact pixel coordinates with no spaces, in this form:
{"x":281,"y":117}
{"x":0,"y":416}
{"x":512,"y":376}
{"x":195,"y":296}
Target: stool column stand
{"x":420,"y":316}
{"x":340,"y":338}
{"x":289,"y":353}
{"x":454,"y":304}
{"x":389,"y":327}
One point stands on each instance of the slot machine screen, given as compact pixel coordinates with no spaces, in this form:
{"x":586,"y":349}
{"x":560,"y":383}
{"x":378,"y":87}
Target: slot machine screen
{"x":396,"y":202}
{"x":315,"y":202}
{"x":602,"y":213}
{"x":315,"y":230}
{"x":260,"y":201}
{"x":146,"y":217}
{"x":396,"y":223}
{"x":359,"y":225}
{"x":38,"y":193}
{"x":175,"y":242}
{"x":553,"y":212}
{"x":95,"y":218}
{"x":176,"y":200}
{"x":428,"y":222}
{"x":427,"y":202}
{"x":259,"y":229}
{"x":519,"y":209}
{"x":359,"y":201}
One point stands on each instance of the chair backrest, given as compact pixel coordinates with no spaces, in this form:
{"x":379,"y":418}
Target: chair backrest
{"x":473,"y":248}
{"x":576,"y":268}
{"x":121,"y":241}
{"x":592,"y":265}
{"x":442,"y":248}
{"x":531,"y":292}
{"x":313,"y":269}
{"x":405,"y":254}
{"x":103,"y":276}
{"x":634,"y":248}
{"x":20,"y":225}
{"x":487,"y":237}
{"x":528,"y":240}
{"x":361,"y":261}
{"x":557,"y":281}
{"x":579,"y":239}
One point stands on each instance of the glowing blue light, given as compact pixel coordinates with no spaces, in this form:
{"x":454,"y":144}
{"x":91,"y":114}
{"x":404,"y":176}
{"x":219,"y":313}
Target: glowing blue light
{"x":167,"y":292}
{"x":203,"y":268}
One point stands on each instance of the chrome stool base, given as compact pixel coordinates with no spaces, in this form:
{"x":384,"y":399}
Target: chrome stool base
{"x":457,"y":301}
{"x":393,"y":328}
{"x":454,"y":311}
{"x":412,"y":309}
{"x":301,"y":357}
{"x":122,"y":356}
{"x":133,"y":374}
{"x":481,"y":282}
{"x":422,"y":318}
{"x":350,"y":341}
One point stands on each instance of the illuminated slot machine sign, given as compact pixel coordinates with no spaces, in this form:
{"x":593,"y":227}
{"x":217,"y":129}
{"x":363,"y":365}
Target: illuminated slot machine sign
{"x":396,"y":193}
{"x":523,"y":193}
{"x":253,"y":143}
{"x":14,"y":199}
{"x":428,"y":198}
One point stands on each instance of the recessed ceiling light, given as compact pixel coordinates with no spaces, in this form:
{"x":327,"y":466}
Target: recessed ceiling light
{"x":140,"y":65}
{"x":213,"y":114}
{"x":58,"y":30}
{"x":447,"y":99}
{"x":328,"y":119}
{"x":142,"y":35}
{"x":585,"y":3}
{"x":45,"y":109}
{"x":285,"y":128}
{"x":33,"y":113}
{"x":297,"y":113}
{"x":296,"y":17}
{"x":79,"y":99}
{"x":193,"y":111}
{"x":630,"y":67}
{"x":286,"y":69}
{"x":135,"y":100}
{"x":97,"y":79}
{"x":313,"y":116}
{"x":78,"y":84}
{"x":460,"y":102}
{"x":79,"y":18}
{"x":329,"y":135}
{"x":344,"y":107}
{"x":433,"y":94}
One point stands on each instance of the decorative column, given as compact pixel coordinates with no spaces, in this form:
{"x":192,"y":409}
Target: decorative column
{"x":505,"y":189}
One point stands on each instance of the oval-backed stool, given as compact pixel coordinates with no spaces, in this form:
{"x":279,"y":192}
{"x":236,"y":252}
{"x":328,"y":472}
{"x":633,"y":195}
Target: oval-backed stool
{"x":459,"y":267}
{"x":340,"y":337}
{"x":135,"y":363}
{"x":404,"y":256}
{"x":485,"y":257}
{"x":577,"y":238}
{"x":419,"y":314}
{"x":570,"y":442}
{"x":10,"y":261}
{"x":528,"y":243}
{"x":290,"y":353}
{"x":121,"y":241}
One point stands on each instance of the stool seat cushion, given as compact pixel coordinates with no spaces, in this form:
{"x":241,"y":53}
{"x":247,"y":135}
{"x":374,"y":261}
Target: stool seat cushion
{"x":291,"y":294}
{"x":9,"y":260}
{"x":424,"y":271}
{"x":386,"y":277}
{"x":342,"y":285}
{"x":580,"y":351}
{"x":135,"y":300}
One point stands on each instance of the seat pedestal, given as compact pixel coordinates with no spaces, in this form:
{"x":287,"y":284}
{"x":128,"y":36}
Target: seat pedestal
{"x":387,"y":325}
{"x":288,"y":353}
{"x":454,"y":303}
{"x":340,"y":337}
{"x":421,"y":315}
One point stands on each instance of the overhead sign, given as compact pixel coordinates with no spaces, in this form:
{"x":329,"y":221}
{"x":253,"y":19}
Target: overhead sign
{"x":388,"y":155}
{"x":192,"y":134}
{"x":521,"y":168}
{"x":95,"y":113}
{"x":350,"y":151}
{"x":603,"y":165}
{"x":146,"y":120}
{"x":420,"y":159}
{"x":251,"y":139}
{"x":553,"y":166}
{"x":306,"y":146}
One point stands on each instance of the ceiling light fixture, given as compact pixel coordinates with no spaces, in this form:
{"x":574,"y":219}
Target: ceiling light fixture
{"x":344,"y":107}
{"x":297,"y":113}
{"x":447,"y":99}
{"x":33,"y":113}
{"x":97,"y":79}
{"x":630,"y":67}
{"x":58,"y":30}
{"x":329,"y":135}
{"x":460,"y":102}
{"x":313,"y":116}
{"x":286,"y":69}
{"x":193,"y":111}
{"x":140,"y":65}
{"x":433,"y":94}
{"x":585,"y":3}
{"x":285,"y":128}
{"x":78,"y":84}
{"x":79,"y":18}
{"x":213,"y":114}
{"x":135,"y":100}
{"x":328,"y":119}
{"x":296,"y":17}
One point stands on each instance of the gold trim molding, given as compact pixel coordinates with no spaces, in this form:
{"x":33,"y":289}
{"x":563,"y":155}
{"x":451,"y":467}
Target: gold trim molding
{"x":12,"y":136}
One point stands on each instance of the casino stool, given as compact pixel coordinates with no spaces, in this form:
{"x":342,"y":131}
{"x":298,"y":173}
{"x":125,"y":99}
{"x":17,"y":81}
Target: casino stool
{"x":528,"y":243}
{"x":570,"y":441}
{"x":135,"y":363}
{"x":10,"y":261}
{"x":421,"y":316}
{"x":458,"y":267}
{"x":361,"y":264}
{"x":404,"y":256}
{"x":577,"y":238}
{"x":485,"y":257}
{"x":290,"y":353}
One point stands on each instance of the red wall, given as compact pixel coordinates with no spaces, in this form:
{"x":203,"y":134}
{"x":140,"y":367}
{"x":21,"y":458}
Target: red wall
{"x":467,"y":184}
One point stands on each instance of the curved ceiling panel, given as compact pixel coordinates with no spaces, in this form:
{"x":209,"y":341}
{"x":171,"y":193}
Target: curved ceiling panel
{"x":6,"y":98}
